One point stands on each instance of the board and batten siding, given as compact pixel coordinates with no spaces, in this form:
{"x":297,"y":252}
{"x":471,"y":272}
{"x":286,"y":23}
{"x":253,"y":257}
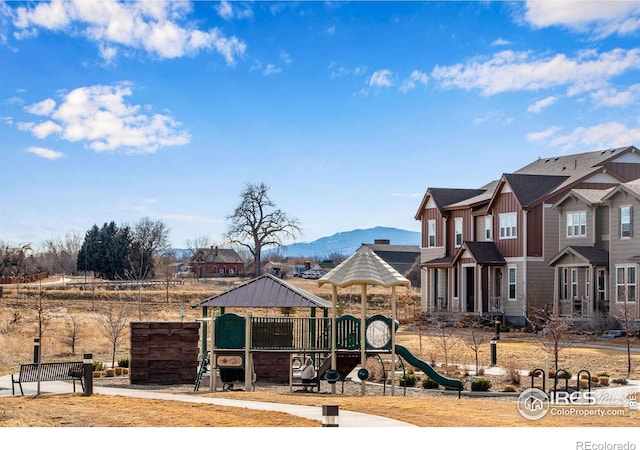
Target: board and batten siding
{"x":506,"y":203}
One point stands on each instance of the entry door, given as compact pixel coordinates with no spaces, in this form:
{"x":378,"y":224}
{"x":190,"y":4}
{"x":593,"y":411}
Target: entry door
{"x":470,"y":283}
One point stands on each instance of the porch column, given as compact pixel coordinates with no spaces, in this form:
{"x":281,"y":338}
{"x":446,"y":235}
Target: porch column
{"x":556,"y":306}
{"x":479,"y":297}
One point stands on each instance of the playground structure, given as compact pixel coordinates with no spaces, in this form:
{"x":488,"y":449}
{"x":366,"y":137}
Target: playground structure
{"x":235,"y":362}
{"x":246,"y":348}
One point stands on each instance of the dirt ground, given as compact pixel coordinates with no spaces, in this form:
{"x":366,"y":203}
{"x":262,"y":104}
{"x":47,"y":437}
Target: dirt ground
{"x":64,"y":310}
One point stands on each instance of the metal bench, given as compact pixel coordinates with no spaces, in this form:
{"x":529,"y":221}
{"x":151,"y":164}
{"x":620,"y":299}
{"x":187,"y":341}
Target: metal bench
{"x":300,"y":383}
{"x":55,"y":371}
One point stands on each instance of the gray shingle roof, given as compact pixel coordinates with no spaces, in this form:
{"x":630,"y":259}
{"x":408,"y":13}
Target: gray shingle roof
{"x":265,"y":291}
{"x":483,"y":252}
{"x":588,"y":253}
{"x":529,"y":188}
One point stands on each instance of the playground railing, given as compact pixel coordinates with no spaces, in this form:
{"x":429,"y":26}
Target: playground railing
{"x":291,"y":333}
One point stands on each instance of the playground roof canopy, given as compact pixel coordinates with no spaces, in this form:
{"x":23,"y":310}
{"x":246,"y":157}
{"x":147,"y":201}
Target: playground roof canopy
{"x":364,"y":267}
{"x":265,"y":291}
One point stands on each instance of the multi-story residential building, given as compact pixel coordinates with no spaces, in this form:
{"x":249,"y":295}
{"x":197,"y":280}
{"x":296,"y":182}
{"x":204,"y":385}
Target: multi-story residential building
{"x":539,"y":236}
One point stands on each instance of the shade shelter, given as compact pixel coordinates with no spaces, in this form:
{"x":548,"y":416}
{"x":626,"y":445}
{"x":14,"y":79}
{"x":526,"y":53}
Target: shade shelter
{"x":265,"y":291}
{"x":363,"y":268}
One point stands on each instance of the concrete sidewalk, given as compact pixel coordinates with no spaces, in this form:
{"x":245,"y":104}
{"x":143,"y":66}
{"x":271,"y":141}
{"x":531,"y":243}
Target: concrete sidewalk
{"x":345,"y":418}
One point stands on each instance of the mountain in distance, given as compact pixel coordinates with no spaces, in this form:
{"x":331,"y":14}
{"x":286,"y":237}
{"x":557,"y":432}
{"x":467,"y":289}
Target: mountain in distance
{"x":346,"y":242}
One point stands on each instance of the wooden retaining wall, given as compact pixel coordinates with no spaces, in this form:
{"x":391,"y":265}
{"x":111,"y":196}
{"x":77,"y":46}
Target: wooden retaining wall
{"x":164,"y":352}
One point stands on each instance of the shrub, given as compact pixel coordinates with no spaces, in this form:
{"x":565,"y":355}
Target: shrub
{"x":509,"y":388}
{"x":428,"y":383}
{"x":481,"y":384}
{"x":123,"y":362}
{"x":408,"y":380}
{"x":603,"y":374}
{"x":564,"y":374}
{"x":513,"y":376}
{"x":97,"y":366}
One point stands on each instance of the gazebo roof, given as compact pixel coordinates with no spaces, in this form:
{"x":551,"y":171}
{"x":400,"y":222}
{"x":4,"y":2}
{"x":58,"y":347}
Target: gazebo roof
{"x":265,"y":291}
{"x":364,"y":267}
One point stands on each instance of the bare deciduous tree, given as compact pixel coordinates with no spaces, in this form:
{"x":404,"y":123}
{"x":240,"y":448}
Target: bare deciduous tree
{"x":553,"y":332}
{"x":623,"y":313}
{"x":443,"y":339}
{"x":113,"y":321}
{"x":472,"y":337}
{"x":71,"y":333}
{"x":256,"y":223}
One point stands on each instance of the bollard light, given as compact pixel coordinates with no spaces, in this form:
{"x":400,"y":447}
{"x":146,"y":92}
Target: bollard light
{"x":36,"y":350}
{"x":329,"y":415}
{"x":87,"y":368}
{"x":494,"y":352}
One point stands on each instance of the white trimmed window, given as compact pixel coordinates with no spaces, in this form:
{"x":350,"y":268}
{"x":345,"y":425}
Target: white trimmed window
{"x":488,"y":228}
{"x":512,"y":283}
{"x":626,"y":222}
{"x":508,"y":225}
{"x":564,"y":283}
{"x":458,"y":231}
{"x":431,"y":233}
{"x":577,"y":224}
{"x":626,"y":283}
{"x":587,"y":283}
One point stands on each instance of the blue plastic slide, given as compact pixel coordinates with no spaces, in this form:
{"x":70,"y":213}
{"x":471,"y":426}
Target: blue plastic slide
{"x":451,"y":383}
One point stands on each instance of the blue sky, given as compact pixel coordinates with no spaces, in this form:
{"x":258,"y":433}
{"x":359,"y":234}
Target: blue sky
{"x":349,"y":111}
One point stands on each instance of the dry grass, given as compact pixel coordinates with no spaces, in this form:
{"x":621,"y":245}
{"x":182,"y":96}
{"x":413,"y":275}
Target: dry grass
{"x":18,"y":327}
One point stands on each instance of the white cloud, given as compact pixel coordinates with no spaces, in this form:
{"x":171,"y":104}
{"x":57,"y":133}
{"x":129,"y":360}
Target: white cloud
{"x":415,"y":77}
{"x":510,"y":71}
{"x":339,"y":71}
{"x":542,"y":135}
{"x":159,"y":28}
{"x":42,"y":108}
{"x":270,"y":69}
{"x":45,"y":153}
{"x":612,"y":98}
{"x":500,"y":42}
{"x":225,"y":10}
{"x":381,"y":78}
{"x":597,"y":17}
{"x":605,"y":135}
{"x":542,"y":104}
{"x":44,"y":129}
{"x":99,"y":116}
{"x":285,"y":57}
{"x":229,"y":10}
